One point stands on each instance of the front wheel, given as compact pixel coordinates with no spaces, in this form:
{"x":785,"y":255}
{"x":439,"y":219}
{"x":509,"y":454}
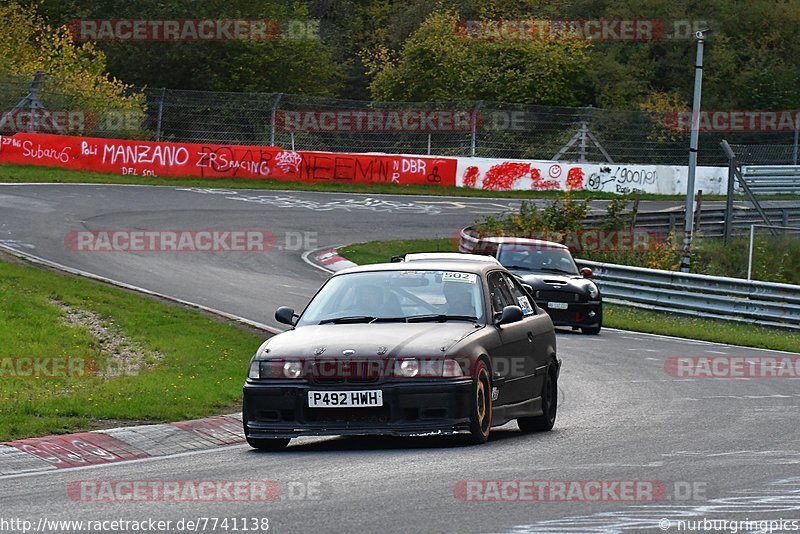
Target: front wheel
{"x":544,"y":422}
{"x":480,"y":417}
{"x":593,"y":331}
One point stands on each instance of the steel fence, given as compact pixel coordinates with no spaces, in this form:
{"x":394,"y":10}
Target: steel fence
{"x":714,"y":297}
{"x":487,"y":129}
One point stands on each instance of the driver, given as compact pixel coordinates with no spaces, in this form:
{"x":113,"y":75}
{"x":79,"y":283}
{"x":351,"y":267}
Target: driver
{"x":369,"y":299}
{"x":459,"y":299}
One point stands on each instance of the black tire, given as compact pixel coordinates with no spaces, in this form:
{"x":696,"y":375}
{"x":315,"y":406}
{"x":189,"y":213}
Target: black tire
{"x":544,"y":422}
{"x":480,"y":415}
{"x":593,"y":331}
{"x":268,"y":444}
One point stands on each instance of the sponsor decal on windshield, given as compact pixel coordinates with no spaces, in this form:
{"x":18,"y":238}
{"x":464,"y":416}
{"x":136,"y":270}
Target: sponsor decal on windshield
{"x":468,"y":278}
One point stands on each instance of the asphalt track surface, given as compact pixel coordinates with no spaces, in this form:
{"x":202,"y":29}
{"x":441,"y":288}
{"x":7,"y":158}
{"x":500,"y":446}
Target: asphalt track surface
{"x":622,"y":417}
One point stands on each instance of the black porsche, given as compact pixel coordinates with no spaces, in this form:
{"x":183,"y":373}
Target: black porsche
{"x":399,"y":349}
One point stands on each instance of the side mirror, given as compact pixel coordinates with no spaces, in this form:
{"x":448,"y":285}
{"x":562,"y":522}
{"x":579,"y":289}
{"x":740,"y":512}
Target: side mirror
{"x":510,"y":314}
{"x":586,"y":272}
{"x":285,"y":315}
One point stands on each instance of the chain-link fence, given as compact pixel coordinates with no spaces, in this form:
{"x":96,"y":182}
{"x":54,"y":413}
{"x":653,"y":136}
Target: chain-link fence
{"x":487,"y":129}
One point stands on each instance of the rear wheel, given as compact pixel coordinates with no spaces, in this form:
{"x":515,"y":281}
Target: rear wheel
{"x":544,"y":422}
{"x":480,"y":417}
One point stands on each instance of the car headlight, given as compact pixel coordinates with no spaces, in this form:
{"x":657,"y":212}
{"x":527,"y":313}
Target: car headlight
{"x":292,"y":369}
{"x":408,"y":368}
{"x":260,"y":369}
{"x":593,"y":291}
{"x":428,"y":368}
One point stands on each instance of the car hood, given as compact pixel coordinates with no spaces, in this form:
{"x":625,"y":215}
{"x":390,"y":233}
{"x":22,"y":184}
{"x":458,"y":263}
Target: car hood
{"x":393,"y":339}
{"x":539,"y":281}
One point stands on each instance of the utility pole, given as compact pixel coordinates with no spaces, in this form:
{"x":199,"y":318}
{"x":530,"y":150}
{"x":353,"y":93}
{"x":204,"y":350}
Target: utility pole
{"x":698,"y":84}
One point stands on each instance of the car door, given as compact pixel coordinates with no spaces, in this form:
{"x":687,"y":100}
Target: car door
{"x":537,"y":331}
{"x":514,"y":344}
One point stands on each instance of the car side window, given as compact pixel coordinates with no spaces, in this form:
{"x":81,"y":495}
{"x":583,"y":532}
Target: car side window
{"x":499,"y":292}
{"x":521,"y":297}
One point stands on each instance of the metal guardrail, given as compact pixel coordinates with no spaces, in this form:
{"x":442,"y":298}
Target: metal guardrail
{"x":772,"y":179}
{"x":716,"y":297}
{"x":712,"y":219}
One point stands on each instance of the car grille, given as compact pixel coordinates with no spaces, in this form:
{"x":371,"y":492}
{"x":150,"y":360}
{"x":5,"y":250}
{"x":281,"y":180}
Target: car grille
{"x":557,"y":296}
{"x":343,"y":371}
{"x":348,"y":415}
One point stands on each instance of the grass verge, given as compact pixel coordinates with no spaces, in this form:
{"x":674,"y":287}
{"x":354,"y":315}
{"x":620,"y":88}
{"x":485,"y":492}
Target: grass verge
{"x":614,"y":316}
{"x":199,"y":372}
{"x":29,"y":173}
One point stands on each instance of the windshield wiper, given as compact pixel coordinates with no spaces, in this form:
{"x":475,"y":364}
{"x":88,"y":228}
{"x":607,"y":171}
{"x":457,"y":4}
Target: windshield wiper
{"x":349,"y":319}
{"x":441,"y":318}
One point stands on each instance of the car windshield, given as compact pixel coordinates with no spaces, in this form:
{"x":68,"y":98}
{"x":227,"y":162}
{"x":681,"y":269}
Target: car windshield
{"x":397,"y":296}
{"x":537,"y":258}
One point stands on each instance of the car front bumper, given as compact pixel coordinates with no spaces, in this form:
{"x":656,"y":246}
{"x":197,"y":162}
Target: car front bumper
{"x":578,"y":314}
{"x":280,"y":410}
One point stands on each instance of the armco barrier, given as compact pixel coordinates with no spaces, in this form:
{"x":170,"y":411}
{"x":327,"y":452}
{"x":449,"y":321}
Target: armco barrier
{"x":148,"y":158}
{"x":716,"y":297}
{"x":772,"y":179}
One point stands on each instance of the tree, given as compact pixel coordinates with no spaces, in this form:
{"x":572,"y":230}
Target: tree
{"x":280,"y":64}
{"x":439,"y":62}
{"x":77,"y":79}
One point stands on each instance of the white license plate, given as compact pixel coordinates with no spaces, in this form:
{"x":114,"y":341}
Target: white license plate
{"x":345,"y":399}
{"x":558,"y":305}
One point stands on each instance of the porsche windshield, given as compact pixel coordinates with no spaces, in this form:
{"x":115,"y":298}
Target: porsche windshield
{"x":401,"y":296}
{"x":540,"y":258}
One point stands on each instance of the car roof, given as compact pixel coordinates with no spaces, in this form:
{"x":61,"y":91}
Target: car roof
{"x":505,"y":240}
{"x":477,"y":267}
{"x":448,"y":256}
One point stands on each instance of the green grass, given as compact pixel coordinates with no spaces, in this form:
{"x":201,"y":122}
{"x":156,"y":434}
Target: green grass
{"x":382,"y":251}
{"x":201,"y":374}
{"x":614,"y":316}
{"x":30,"y":173}
{"x":733,"y":333}
{"x":775,"y":258}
